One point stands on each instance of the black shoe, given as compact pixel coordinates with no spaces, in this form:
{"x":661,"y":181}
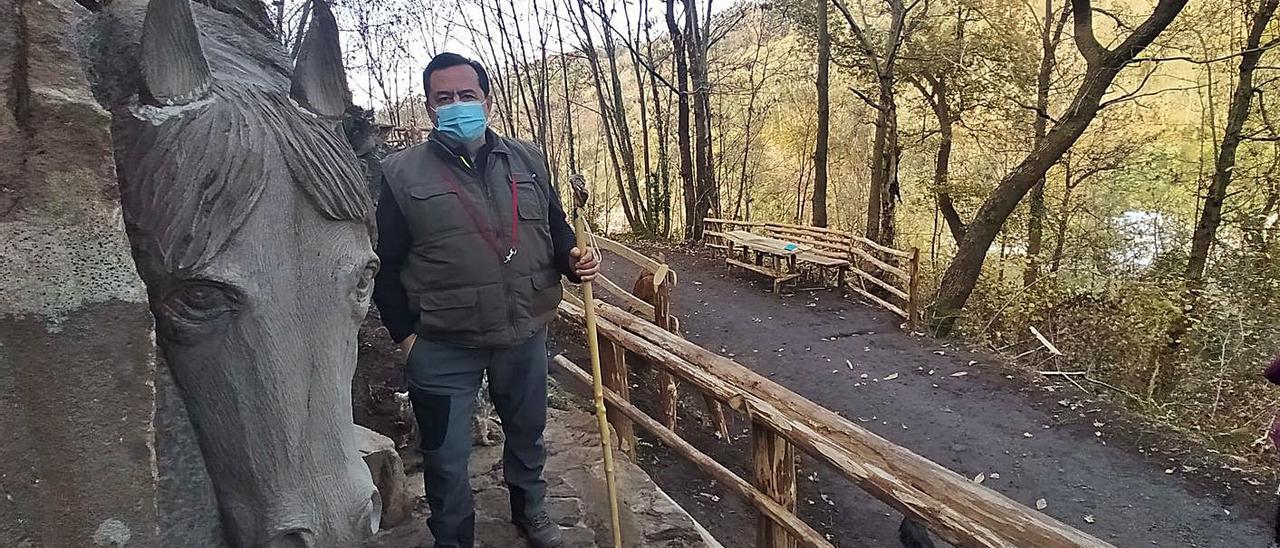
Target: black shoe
{"x":540,"y":531}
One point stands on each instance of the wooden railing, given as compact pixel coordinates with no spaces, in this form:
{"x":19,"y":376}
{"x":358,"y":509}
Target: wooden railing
{"x":654,"y":285}
{"x":782,"y":423}
{"x":895,"y":273}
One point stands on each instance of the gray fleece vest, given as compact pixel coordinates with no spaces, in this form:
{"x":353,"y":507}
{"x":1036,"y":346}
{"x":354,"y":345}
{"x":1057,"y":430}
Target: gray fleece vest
{"x":464,"y":291}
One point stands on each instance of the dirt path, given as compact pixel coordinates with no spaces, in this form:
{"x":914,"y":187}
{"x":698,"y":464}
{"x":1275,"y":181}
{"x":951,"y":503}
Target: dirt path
{"x":1030,"y":438}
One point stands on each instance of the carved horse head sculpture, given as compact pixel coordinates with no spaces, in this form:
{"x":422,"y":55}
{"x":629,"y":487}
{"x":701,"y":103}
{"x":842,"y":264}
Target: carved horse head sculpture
{"x":248,"y":213}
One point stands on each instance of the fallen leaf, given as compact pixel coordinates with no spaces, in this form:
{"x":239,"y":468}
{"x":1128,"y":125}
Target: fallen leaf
{"x":1041,"y":504}
{"x":891,"y":377}
{"x":979,"y":478}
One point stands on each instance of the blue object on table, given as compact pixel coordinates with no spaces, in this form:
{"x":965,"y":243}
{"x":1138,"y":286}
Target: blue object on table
{"x":790,"y":247}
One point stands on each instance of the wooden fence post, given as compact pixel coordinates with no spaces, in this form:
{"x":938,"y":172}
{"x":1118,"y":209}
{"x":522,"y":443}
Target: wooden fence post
{"x":913,"y":289}
{"x":773,"y":461}
{"x":613,"y":366}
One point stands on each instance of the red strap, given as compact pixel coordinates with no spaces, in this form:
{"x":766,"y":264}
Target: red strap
{"x":485,"y":230}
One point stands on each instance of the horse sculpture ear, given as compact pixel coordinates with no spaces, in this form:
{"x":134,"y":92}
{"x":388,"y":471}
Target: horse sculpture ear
{"x":319,"y":81}
{"x":173,"y":63}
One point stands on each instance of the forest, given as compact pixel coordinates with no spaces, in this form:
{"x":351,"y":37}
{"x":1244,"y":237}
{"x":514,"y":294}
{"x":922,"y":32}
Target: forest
{"x":1106,"y":172}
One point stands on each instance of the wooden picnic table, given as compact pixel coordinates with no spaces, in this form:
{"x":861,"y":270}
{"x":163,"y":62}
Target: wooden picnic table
{"x":753,"y":249}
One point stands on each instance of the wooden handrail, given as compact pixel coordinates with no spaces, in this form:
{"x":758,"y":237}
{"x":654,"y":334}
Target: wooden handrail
{"x":900,"y":273}
{"x":717,"y":471}
{"x":954,"y":508}
{"x":649,"y":265}
{"x":883,"y":249}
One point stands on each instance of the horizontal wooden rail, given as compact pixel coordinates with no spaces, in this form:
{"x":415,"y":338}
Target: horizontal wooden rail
{"x":732,"y":222}
{"x":717,"y":471}
{"x":900,"y":273}
{"x":883,"y":303}
{"x":639,"y":259}
{"x":883,"y":249}
{"x":638,"y":306}
{"x":882,"y":284}
{"x":952,"y":506}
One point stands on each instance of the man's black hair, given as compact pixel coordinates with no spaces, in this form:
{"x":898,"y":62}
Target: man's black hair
{"x":446,"y":60}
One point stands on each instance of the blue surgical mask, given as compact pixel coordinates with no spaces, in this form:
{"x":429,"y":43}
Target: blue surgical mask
{"x":464,"y":122}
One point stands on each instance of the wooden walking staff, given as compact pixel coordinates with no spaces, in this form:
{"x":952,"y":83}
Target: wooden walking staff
{"x":580,"y":196}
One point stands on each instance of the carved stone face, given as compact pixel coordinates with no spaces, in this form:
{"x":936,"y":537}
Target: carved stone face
{"x":262,"y":342}
{"x":247,"y":215}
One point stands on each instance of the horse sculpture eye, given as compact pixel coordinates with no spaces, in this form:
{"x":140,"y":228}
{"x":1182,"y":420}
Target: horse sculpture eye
{"x":199,"y":302}
{"x":365,"y":285}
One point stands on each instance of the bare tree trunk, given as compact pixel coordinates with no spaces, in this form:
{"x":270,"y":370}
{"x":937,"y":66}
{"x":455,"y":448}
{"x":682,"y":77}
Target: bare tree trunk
{"x":660,"y":119}
{"x":1064,"y":217}
{"x":651,"y":189}
{"x":622,"y":129}
{"x":882,"y":192}
{"x":692,"y":218}
{"x":568,"y":99}
{"x":824,"y":119}
{"x":504,"y":99}
{"x":515,"y":68}
{"x":707,"y":195}
{"x":593,"y":59}
{"x":1164,"y":377}
{"x":937,"y":98}
{"x":1102,"y":67}
{"x":1049,"y":40}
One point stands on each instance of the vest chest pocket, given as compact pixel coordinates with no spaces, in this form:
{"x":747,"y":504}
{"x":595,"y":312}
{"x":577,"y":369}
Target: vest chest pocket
{"x":532,"y":204}
{"x":434,"y":212}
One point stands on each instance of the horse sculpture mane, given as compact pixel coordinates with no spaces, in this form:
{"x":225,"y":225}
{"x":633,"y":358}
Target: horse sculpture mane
{"x":250,"y":133}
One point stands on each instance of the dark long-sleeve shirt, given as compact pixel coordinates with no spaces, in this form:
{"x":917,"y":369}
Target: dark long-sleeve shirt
{"x":395,"y":241}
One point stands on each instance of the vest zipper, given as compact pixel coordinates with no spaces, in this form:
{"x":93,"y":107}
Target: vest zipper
{"x":493,"y":206}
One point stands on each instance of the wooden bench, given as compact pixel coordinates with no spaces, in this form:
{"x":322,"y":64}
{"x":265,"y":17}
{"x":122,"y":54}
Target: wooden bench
{"x":828,"y":252}
{"x":884,"y":275}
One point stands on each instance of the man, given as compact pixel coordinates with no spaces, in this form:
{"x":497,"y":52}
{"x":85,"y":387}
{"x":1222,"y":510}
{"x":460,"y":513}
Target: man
{"x":473,"y":241}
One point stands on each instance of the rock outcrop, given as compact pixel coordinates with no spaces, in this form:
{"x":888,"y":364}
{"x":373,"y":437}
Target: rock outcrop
{"x":77,"y":363}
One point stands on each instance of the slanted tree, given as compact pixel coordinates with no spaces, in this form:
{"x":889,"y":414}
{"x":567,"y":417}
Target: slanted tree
{"x":1102,"y":66}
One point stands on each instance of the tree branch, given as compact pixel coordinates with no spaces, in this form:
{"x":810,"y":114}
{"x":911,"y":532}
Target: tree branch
{"x":1082,"y":32}
{"x":863,"y":42}
{"x":1187,"y":59}
{"x":865,"y":98}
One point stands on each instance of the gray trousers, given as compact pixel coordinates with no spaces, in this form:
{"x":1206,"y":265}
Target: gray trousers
{"x":443,"y":381}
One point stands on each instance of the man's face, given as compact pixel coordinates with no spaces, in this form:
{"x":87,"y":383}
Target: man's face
{"x":455,"y":84}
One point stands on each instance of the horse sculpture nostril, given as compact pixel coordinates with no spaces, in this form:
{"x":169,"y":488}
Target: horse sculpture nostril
{"x":294,"y":539}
